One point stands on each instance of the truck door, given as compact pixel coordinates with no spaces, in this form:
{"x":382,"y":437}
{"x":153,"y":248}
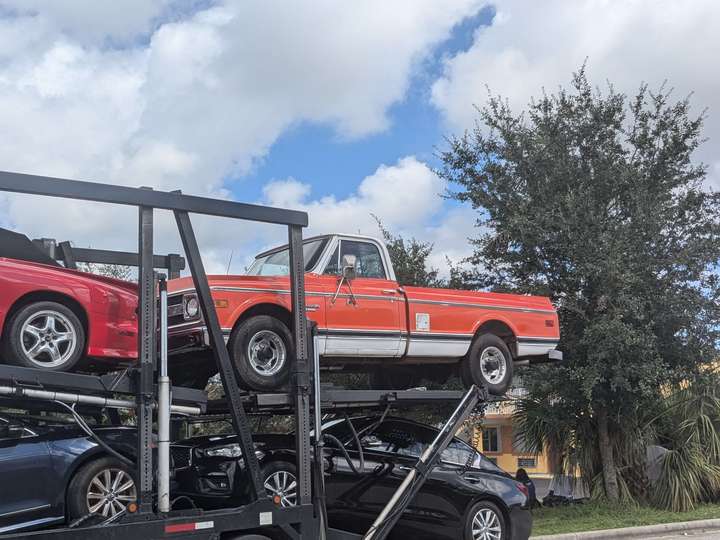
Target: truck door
{"x":365,"y":317}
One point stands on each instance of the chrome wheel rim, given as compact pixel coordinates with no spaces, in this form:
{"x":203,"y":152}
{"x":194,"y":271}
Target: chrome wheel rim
{"x":284,"y":485}
{"x":492,"y":365}
{"x":266,"y":353}
{"x":486,"y":525}
{"x":48,"y":339}
{"x":109,"y":492}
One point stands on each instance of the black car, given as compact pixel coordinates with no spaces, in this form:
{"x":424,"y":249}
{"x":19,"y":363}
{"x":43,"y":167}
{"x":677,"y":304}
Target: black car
{"x":53,"y":472}
{"x":466,"y":495}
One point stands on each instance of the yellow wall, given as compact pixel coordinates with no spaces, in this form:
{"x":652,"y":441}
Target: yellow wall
{"x":507,"y":457}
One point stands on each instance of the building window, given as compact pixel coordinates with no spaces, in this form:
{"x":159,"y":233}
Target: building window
{"x":527,"y":463}
{"x":491,"y":439}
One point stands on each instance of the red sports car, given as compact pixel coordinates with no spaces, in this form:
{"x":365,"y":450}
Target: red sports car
{"x":52,"y":317}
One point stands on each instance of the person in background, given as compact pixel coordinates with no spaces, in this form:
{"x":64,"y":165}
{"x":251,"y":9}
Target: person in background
{"x":522,"y":476}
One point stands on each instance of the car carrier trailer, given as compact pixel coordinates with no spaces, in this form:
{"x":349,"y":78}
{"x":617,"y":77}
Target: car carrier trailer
{"x":140,"y":387}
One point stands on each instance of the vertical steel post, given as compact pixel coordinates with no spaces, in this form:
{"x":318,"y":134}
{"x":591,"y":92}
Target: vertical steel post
{"x":220,"y":352}
{"x":146,"y":360}
{"x":164,"y":401}
{"x":301,"y":371}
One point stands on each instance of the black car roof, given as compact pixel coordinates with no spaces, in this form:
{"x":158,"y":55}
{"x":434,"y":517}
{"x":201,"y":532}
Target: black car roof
{"x":18,"y":246}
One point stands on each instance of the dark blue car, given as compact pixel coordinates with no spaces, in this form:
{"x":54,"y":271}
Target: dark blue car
{"x":52,"y":472}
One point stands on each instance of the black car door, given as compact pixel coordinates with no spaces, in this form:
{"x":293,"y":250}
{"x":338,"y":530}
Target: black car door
{"x":390,"y":450}
{"x":26,"y":492}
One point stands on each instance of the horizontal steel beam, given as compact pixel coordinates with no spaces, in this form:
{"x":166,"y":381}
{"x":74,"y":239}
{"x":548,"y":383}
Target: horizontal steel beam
{"x":122,"y":258}
{"x":109,"y":193}
{"x":67,"y":397}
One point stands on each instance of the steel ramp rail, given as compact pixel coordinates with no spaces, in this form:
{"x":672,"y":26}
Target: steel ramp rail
{"x":424,"y":466}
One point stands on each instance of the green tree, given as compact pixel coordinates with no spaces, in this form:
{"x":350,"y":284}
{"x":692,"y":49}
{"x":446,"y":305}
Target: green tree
{"x":593,"y":198}
{"x":409,"y":259}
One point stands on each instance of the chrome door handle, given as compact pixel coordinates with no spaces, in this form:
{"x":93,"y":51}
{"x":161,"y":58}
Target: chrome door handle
{"x":389,"y":291}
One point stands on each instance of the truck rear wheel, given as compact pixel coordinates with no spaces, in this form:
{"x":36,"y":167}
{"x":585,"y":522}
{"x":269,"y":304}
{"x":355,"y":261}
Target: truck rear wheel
{"x":261,"y":348}
{"x":488,"y":364}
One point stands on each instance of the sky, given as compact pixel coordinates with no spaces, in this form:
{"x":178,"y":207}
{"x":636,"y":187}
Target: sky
{"x":333,"y":108}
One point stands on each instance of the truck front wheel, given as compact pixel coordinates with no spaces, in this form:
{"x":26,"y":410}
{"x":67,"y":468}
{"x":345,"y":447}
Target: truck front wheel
{"x":488,"y":364}
{"x":261,"y":348}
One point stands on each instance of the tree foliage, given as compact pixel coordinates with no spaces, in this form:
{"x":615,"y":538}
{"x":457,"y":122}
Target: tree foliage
{"x":593,"y":198}
{"x":409,"y":258}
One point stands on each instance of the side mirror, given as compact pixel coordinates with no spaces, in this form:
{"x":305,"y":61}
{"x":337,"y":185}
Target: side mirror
{"x":348,"y":267}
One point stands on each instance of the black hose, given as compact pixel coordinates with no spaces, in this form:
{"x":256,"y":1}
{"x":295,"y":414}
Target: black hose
{"x":337,"y":443}
{"x":80,"y":421}
{"x":376,"y":423}
{"x":357,"y":443}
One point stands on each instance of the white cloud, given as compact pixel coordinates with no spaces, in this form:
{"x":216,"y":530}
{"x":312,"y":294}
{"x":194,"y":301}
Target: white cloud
{"x":404,"y":196}
{"x":531,"y":45}
{"x":140,"y":94}
{"x":93,"y":20}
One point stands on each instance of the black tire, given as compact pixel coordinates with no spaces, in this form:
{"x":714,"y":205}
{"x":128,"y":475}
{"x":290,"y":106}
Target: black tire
{"x":81,"y":492}
{"x":393,"y":378}
{"x":51,"y":323}
{"x":280,"y":479}
{"x":489,"y":364}
{"x":487,"y":513}
{"x":274,"y":352}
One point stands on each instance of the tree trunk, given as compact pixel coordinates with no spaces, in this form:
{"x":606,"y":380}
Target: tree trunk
{"x":606,"y":455}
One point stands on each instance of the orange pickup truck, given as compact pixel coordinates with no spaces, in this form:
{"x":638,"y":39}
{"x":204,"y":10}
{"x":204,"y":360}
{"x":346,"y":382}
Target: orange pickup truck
{"x":367,"y":321}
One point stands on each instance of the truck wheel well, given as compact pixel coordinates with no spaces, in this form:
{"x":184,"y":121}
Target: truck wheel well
{"x":273,"y":310}
{"x":501,"y":330}
{"x":48,"y":296}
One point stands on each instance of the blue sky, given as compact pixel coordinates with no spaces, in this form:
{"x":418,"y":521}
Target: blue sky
{"x":334,"y":165}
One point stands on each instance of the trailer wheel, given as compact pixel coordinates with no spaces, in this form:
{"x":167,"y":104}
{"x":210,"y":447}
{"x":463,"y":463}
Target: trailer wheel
{"x":45,"y":335}
{"x":104,"y":486}
{"x":261,"y":348}
{"x":485,"y":521}
{"x":488,"y":364}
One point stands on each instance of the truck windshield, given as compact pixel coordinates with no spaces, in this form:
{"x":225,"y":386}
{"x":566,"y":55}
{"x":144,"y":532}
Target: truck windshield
{"x":277,"y":263}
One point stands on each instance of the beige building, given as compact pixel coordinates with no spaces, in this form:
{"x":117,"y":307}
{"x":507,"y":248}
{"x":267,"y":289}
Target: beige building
{"x":496,"y":439}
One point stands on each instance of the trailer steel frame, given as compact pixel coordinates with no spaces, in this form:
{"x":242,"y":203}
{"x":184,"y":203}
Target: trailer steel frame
{"x":302,"y":521}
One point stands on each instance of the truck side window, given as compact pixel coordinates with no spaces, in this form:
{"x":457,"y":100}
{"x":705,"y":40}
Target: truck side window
{"x":369,"y":260}
{"x":333,"y":267}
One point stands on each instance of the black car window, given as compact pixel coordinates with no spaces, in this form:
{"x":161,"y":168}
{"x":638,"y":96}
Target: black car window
{"x":10,"y":429}
{"x":459,"y":453}
{"x":403,"y":438}
{"x":339,"y":428}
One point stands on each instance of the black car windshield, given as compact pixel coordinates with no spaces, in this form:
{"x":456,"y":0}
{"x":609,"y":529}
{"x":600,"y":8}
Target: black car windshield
{"x":277,"y":263}
{"x":411,"y":440}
